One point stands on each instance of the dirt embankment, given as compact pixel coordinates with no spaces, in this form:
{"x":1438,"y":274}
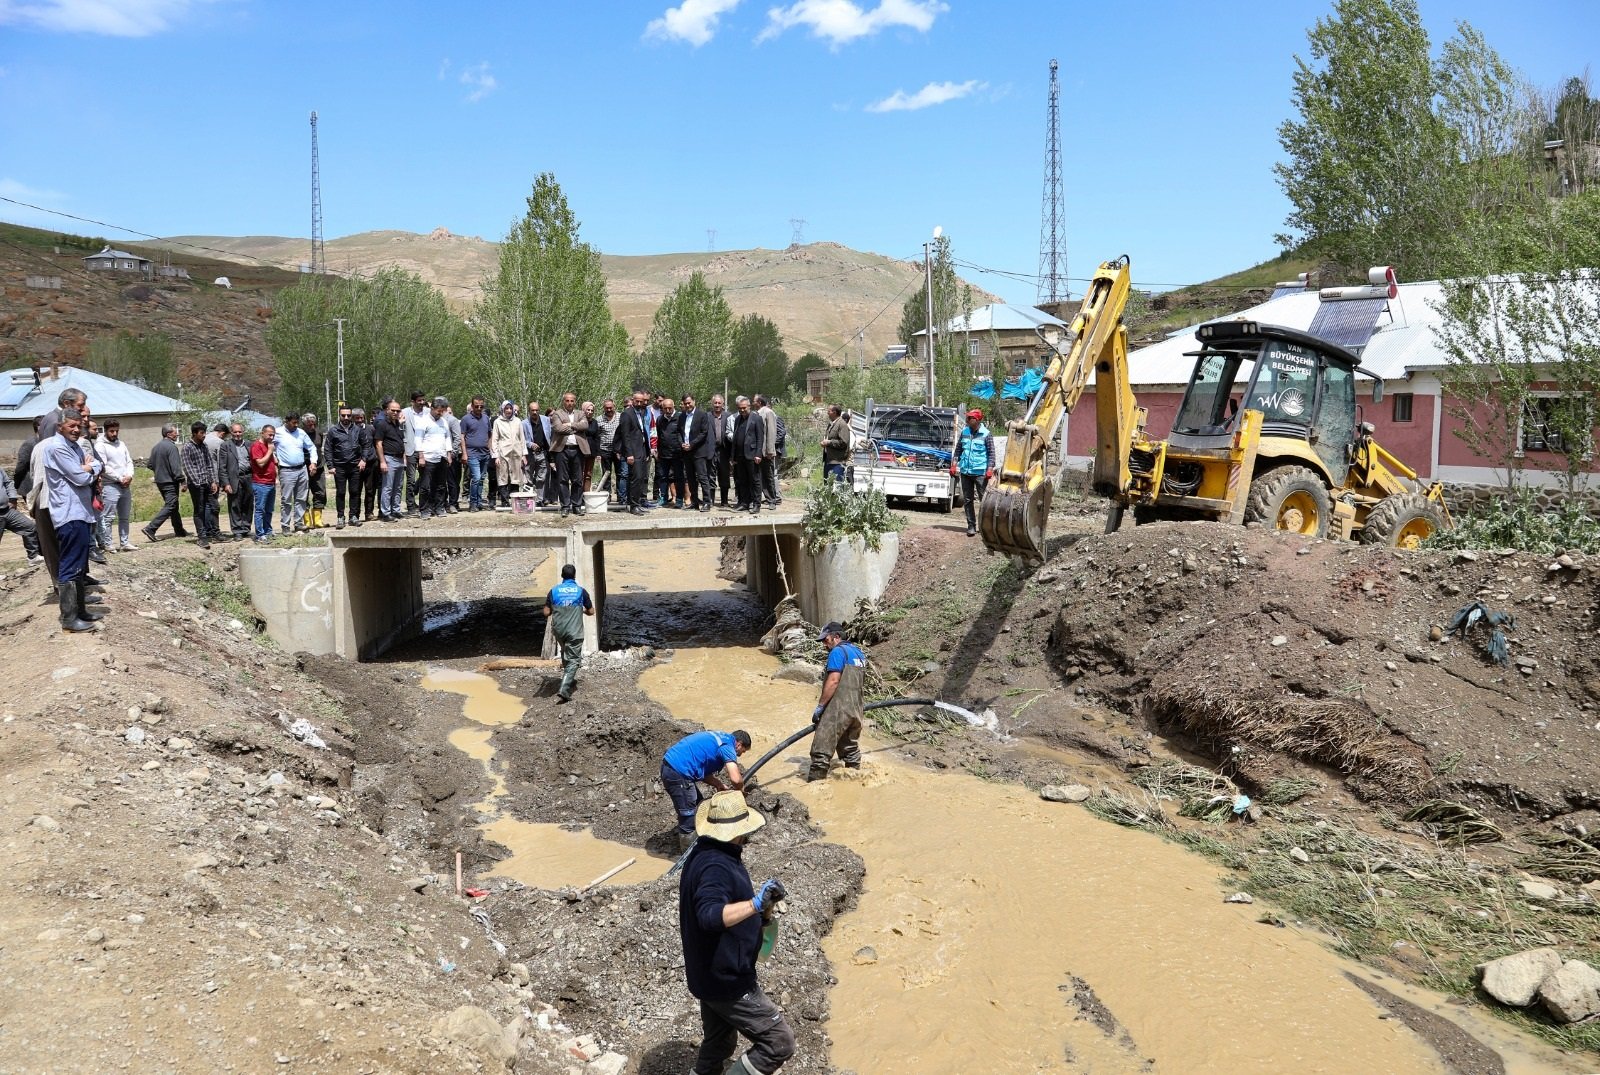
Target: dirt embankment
{"x":1267,"y":653}
{"x":191,"y":886}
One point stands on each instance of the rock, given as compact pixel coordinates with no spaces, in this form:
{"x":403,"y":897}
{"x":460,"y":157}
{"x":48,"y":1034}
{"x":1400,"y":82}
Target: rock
{"x":1280,"y":640}
{"x":1240,"y":897}
{"x":476,"y":1029}
{"x":417,"y":884}
{"x":1566,"y":561}
{"x":1515,"y":979}
{"x":1538,"y":890}
{"x":204,"y":861}
{"x":865,"y":957}
{"x":95,"y":937}
{"x":54,"y":934}
{"x":321,"y":802}
{"x":799,"y":672}
{"x":1435,"y":633}
{"x":1466,"y":556}
{"x":1573,"y":992}
{"x":135,"y":920}
{"x":929,"y":667}
{"x":1527,"y":662}
{"x":1298,"y":855}
{"x":1064,"y":793}
{"x":607,"y":1064}
{"x":177,"y":742}
{"x":46,"y":822}
{"x":134,"y":735}
{"x":1390,"y":666}
{"x":519,"y":973}
{"x":583,"y":1047}
{"x":63,"y":673}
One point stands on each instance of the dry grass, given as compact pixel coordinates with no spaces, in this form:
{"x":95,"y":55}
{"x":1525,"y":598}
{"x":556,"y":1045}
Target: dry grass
{"x":1340,"y":732}
{"x":1454,"y":822}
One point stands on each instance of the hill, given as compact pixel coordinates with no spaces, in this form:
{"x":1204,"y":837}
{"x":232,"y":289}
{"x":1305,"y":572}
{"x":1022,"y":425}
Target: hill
{"x":818,"y":294}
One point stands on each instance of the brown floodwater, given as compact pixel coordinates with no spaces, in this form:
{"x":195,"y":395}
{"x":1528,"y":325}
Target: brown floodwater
{"x":542,"y":855}
{"x":985,"y":905}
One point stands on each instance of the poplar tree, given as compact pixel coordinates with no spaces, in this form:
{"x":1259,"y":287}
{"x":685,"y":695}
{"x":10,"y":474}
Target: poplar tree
{"x":689,"y":343}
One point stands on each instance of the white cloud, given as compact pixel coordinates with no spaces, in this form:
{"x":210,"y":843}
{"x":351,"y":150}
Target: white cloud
{"x":482,"y":82}
{"x":934,"y":93}
{"x":694,"y":21}
{"x":842,"y":21}
{"x":116,"y":18}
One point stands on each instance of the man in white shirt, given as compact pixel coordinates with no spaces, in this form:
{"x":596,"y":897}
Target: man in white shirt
{"x":430,"y":433}
{"x":116,"y":493}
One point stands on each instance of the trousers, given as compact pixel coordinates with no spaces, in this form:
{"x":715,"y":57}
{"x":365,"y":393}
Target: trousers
{"x":118,"y":504}
{"x":169,"y":510}
{"x":754,"y":1016}
{"x":293,"y":487}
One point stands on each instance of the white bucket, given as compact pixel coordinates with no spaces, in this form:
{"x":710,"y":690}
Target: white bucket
{"x":595,"y":500}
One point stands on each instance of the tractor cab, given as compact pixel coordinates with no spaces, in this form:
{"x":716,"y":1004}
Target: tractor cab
{"x":1303,"y":387}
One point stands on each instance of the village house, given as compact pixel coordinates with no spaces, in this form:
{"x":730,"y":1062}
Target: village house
{"x":1001,"y":340}
{"x":109,"y":260}
{"x":32,"y":390}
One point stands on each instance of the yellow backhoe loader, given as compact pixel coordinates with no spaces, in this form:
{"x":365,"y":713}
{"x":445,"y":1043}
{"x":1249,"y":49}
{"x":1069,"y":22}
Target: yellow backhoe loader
{"x":1267,"y":431}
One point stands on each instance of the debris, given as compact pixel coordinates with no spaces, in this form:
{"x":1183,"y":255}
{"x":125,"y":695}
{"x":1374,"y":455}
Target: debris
{"x":1240,"y":897}
{"x":865,"y":956}
{"x":1538,"y":890}
{"x":476,"y":1029}
{"x":1515,"y":979}
{"x":1455,"y":821}
{"x":134,"y":735}
{"x":302,"y":730}
{"x":1474,"y":613}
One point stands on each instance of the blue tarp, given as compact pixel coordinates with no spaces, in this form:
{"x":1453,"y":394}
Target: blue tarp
{"x":902,"y":448}
{"x":984,"y":389}
{"x":1025,"y":387}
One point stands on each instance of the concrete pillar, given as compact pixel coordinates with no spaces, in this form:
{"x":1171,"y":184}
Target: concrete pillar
{"x":294,"y":591}
{"x":379,"y":599}
{"x":831,"y":582}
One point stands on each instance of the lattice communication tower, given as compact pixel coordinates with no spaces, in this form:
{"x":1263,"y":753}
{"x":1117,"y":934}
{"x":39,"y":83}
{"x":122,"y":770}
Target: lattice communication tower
{"x":797,"y":234}
{"x":319,"y":257}
{"x":1053,"y":283}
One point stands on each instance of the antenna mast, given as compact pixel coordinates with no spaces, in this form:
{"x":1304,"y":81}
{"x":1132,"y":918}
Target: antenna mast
{"x":1053,"y":283}
{"x":319,"y":257}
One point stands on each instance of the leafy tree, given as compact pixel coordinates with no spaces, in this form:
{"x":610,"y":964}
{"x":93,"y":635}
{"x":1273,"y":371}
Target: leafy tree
{"x":142,"y":360}
{"x":690,"y":340}
{"x":1575,"y":121}
{"x":802,"y":366}
{"x":759,"y":363}
{"x":1368,"y":157}
{"x":850,"y":386}
{"x":545,"y":324}
{"x":399,"y":337}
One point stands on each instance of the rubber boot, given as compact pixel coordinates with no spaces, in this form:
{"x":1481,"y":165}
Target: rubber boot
{"x":83,"y":604}
{"x":67,"y":596}
{"x":316,"y":518}
{"x":742,"y":1066}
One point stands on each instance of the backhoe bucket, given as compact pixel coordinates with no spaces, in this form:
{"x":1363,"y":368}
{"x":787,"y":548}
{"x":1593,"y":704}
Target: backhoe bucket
{"x":1013,"y":521}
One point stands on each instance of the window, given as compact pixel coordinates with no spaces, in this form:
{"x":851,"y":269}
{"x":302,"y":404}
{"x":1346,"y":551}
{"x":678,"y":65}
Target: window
{"x":1402,"y":406}
{"x":974,"y":347}
{"x":1549,"y":420}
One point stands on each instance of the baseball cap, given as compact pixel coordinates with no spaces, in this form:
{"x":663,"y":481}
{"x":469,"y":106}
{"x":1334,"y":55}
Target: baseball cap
{"x":834,"y":628}
{"x":974,"y":413}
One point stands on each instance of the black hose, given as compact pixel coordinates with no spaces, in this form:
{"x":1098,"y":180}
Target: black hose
{"x":775,"y":751}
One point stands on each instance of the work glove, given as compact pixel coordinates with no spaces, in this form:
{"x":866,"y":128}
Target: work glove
{"x":816,"y":715}
{"x":952,"y":470}
{"x":988,"y":475}
{"x":767,"y":895}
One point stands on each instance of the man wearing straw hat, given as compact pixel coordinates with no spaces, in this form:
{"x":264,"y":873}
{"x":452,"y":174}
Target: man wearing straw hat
{"x":720,"y":917}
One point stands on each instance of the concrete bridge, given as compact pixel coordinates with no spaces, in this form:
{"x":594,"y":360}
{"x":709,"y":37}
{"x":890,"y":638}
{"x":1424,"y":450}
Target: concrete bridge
{"x":362,"y":593}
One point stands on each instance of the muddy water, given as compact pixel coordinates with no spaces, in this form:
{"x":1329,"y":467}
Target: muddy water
{"x":542,"y":855}
{"x":986,"y":908}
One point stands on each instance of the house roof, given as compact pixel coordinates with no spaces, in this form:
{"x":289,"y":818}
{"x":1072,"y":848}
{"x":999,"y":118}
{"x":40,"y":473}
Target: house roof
{"x":1001,"y":317}
{"x":1403,"y":341}
{"x":109,"y":254}
{"x":108,"y":397}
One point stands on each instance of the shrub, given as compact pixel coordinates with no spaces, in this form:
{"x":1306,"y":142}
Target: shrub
{"x":834,"y":513}
{"x":1517,"y":522}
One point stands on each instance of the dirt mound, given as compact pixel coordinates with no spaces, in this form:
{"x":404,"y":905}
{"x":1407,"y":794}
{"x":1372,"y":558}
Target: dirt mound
{"x":1257,"y":644}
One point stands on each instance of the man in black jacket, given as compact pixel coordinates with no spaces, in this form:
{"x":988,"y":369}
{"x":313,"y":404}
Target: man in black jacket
{"x":389,"y":438}
{"x":698,"y":448}
{"x":720,"y":448}
{"x":371,"y":474}
{"x":345,"y":453}
{"x":720,"y":920}
{"x":749,"y":444}
{"x":168,"y":472}
{"x":634,"y":434}
{"x":669,"y":455}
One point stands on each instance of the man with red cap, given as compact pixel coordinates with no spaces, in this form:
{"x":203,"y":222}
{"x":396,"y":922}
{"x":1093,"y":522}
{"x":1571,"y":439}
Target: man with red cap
{"x":974,"y":461}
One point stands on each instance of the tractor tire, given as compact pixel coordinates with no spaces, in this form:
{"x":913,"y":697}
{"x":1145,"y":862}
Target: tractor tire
{"x":1292,"y":499}
{"x":1402,"y":521}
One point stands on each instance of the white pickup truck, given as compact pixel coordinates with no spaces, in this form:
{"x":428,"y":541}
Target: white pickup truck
{"x":905,"y":451}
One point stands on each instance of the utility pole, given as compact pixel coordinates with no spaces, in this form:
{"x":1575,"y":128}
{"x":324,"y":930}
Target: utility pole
{"x":927,"y":287}
{"x":319,"y":256}
{"x":798,"y":235}
{"x":711,"y":240}
{"x":339,"y":325}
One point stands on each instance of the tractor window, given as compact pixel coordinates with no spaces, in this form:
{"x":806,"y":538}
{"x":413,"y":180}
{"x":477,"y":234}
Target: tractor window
{"x":1205,"y":409}
{"x":1336,"y":419}
{"x":1285,"y":388}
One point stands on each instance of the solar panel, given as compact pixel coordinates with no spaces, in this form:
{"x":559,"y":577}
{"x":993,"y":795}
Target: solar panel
{"x":15,"y":395}
{"x":1348,"y":324}
{"x":1280,"y":292}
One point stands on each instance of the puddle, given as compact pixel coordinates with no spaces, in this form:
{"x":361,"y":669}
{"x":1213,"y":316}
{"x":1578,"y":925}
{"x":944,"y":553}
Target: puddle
{"x":542,"y":855}
{"x":1017,"y":935}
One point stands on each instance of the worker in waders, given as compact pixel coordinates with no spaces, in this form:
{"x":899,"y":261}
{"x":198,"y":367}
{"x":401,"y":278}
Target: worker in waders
{"x":839,"y":710}
{"x":564,"y":611}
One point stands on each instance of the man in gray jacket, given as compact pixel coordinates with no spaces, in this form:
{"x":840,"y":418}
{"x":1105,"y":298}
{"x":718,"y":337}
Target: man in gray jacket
{"x":168,"y":471}
{"x":767,"y":468}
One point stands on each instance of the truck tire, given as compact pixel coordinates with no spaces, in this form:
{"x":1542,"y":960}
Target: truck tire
{"x":1292,"y":499}
{"x":947,"y":504}
{"x":1402,"y":521}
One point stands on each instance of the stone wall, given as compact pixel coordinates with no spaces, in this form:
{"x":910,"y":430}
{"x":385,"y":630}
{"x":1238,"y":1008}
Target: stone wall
{"x":1465,"y":497}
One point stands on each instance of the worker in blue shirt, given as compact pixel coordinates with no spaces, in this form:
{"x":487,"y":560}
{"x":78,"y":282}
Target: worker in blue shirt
{"x":564,"y":610}
{"x":839,"y":709}
{"x":974,"y":462}
{"x":696,"y":758}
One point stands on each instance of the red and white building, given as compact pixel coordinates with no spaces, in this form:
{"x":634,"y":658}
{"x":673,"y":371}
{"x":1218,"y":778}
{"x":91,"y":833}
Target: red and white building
{"x":1413,"y":420}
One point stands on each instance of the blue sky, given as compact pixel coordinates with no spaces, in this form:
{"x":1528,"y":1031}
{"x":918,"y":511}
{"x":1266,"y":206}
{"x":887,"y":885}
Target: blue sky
{"x":874,"y":120}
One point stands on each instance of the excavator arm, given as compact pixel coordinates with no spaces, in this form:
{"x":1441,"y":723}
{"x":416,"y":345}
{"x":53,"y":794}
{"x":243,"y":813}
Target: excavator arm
{"x":1016,"y":506}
